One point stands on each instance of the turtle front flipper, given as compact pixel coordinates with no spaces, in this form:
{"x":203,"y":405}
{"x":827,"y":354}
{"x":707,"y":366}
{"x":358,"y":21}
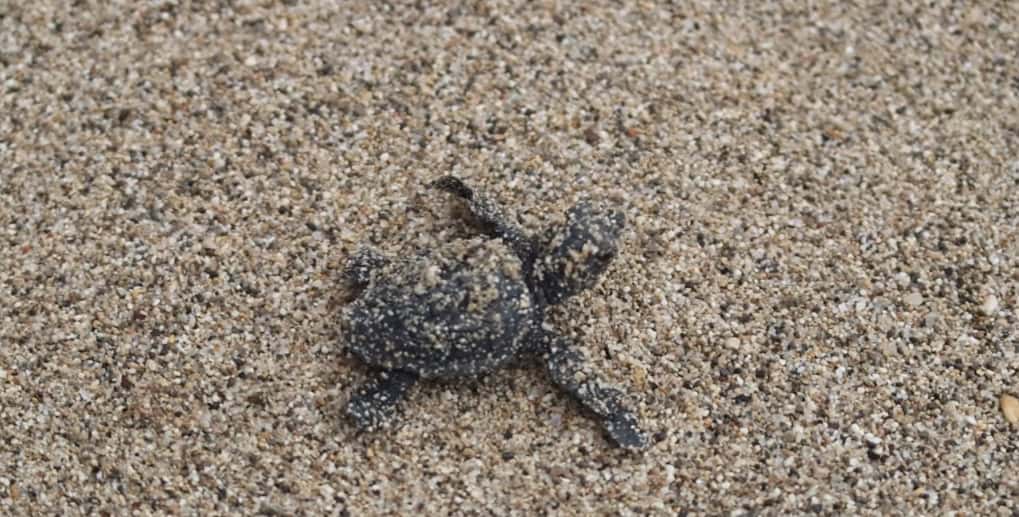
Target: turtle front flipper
{"x":376,"y":400}
{"x":571,"y":372}
{"x":491,"y":218}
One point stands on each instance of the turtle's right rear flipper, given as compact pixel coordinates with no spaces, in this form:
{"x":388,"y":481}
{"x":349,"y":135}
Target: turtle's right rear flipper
{"x":376,"y":400}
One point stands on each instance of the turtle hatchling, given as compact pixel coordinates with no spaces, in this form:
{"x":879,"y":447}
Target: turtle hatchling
{"x":475,"y":305}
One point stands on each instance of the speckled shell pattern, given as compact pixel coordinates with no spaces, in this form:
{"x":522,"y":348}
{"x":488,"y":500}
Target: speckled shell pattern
{"x":441,"y":318}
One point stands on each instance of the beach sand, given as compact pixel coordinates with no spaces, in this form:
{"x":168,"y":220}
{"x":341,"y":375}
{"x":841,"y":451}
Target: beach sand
{"x":814,"y":309}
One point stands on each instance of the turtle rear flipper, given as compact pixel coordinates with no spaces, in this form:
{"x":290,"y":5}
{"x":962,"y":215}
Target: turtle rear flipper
{"x":376,"y":400}
{"x":357,"y":271}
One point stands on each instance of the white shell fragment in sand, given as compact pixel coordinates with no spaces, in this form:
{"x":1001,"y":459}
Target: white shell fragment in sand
{"x":913,"y":299}
{"x":990,"y":305}
{"x":1010,"y":407}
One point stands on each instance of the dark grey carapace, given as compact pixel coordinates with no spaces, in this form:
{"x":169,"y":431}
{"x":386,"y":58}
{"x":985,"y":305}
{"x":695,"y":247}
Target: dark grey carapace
{"x":474,"y":305}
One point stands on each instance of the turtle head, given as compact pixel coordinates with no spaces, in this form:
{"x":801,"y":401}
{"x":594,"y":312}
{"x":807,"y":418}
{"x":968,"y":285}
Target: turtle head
{"x":577,"y":253}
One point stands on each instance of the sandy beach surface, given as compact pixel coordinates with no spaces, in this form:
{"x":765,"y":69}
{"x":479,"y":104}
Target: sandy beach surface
{"x":815,"y":308}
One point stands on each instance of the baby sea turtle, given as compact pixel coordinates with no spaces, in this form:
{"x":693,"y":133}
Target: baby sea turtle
{"x":474,"y":305}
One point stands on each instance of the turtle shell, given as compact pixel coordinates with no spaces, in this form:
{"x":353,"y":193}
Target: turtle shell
{"x":460,"y":310}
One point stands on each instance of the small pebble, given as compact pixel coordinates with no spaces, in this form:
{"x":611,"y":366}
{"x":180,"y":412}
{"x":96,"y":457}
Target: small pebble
{"x":990,"y":305}
{"x":902,"y":279}
{"x":913,"y":299}
{"x":1010,"y":408}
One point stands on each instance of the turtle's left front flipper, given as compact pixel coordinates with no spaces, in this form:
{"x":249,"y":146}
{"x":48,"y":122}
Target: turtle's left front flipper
{"x":571,"y":372}
{"x":493,"y":220}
